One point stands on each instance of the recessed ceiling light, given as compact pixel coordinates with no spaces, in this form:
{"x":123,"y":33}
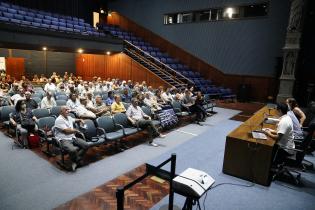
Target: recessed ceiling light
{"x":80,"y":50}
{"x":108,"y":52}
{"x":44,"y":48}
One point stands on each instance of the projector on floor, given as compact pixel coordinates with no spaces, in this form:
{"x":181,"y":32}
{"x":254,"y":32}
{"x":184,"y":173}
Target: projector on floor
{"x":192,"y":183}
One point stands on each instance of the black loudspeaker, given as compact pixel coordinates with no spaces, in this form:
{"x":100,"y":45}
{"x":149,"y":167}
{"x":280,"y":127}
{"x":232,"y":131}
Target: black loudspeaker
{"x":244,"y":93}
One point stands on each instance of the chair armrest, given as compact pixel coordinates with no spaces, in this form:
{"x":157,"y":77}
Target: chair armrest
{"x":119,"y":125}
{"x":80,"y":134}
{"x":291,"y":149}
{"x":42,"y":133}
{"x":101,"y":130}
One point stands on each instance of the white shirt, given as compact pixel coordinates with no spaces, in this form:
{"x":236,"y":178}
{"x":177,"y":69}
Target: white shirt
{"x":82,"y":111}
{"x":73,"y":105}
{"x":297,"y":130}
{"x":50,"y":87}
{"x":135,"y":113}
{"x":285,"y":127}
{"x":62,"y":123}
{"x":47,"y":104}
{"x":16,"y":98}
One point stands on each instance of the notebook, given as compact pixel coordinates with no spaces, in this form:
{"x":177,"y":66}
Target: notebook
{"x":259,"y":135}
{"x":271,"y":120}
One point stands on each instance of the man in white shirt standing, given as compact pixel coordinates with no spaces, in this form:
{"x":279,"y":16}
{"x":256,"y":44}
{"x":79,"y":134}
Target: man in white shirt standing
{"x":65,"y":133}
{"x":137,"y":117}
{"x":284,"y":134}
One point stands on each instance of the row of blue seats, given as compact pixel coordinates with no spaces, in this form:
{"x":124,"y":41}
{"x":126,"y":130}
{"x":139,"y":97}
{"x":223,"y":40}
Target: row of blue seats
{"x":14,"y":9}
{"x":76,"y":25}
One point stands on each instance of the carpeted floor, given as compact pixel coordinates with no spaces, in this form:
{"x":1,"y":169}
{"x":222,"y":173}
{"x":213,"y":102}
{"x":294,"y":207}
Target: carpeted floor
{"x":29,"y":182}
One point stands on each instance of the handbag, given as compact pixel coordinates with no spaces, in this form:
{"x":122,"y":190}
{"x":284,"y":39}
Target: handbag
{"x":33,"y":141}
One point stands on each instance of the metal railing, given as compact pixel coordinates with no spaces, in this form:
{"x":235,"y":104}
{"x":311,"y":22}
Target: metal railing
{"x":151,"y":170}
{"x":159,"y":62}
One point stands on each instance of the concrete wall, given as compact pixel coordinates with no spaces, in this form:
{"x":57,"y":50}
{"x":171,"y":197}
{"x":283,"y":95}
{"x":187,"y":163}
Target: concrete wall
{"x":243,"y":47}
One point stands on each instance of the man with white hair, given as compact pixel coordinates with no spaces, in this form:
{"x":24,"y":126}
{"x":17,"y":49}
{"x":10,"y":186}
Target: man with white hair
{"x":18,"y":96}
{"x":48,"y":101}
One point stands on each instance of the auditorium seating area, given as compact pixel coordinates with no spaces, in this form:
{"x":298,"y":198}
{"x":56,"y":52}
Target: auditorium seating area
{"x":25,"y":17}
{"x":206,"y":86}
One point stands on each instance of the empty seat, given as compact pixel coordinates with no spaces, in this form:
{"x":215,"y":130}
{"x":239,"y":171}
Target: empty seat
{"x":54,"y":27}
{"x":54,"y":19}
{"x":37,"y":20}
{"x":15,"y":21}
{"x":35,"y":24}
{"x":26,"y":22}
{"x":55,"y":23}
{"x":12,"y":11}
{"x":48,"y":22}
{"x":5,"y":4}
{"x":69,"y":25}
{"x":3,"y":9}
{"x":62,"y":24}
{"x":48,"y":17}
{"x":19,"y":17}
{"x":40,"y":113}
{"x":22,"y":12}
{"x":62,"y":20}
{"x":43,"y":25}
{"x":128,"y":128}
{"x":8,"y":15}
{"x":81,"y":20}
{"x":15,"y":7}
{"x":29,"y":18}
{"x":40,"y":16}
{"x":5,"y":19}
{"x":30,"y":14}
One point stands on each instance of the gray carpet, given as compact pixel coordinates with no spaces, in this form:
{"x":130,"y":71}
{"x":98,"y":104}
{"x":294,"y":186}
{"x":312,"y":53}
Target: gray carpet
{"x":29,"y":182}
{"x":206,"y":152}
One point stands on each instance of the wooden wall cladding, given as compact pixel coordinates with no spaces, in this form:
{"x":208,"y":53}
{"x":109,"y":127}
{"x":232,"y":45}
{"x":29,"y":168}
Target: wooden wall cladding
{"x":114,"y":66}
{"x":15,"y":67}
{"x":262,"y":87}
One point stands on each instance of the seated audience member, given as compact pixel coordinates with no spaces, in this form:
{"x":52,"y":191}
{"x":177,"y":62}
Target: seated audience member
{"x":19,"y":96}
{"x":110,"y":99}
{"x":99,"y":108}
{"x":293,"y":106}
{"x":48,"y":101}
{"x":82,"y":112}
{"x":23,"y":117}
{"x":199,"y":101}
{"x":189,"y":103}
{"x":283,"y":135}
{"x":14,"y":89}
{"x":126,"y":96}
{"x":166,"y":96}
{"x":50,"y":86}
{"x":89,"y":98}
{"x":151,"y":102}
{"x":30,"y":103}
{"x":117,"y":106}
{"x":138,"y":118}
{"x":73,"y":102}
{"x":65,"y":133}
{"x":140,"y":98}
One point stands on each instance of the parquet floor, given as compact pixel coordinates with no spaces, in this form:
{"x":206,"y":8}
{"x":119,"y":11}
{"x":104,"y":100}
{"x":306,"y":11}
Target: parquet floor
{"x":141,"y":196}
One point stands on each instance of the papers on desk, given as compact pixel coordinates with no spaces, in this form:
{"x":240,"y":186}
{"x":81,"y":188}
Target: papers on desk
{"x":271,"y":120}
{"x":259,"y":135}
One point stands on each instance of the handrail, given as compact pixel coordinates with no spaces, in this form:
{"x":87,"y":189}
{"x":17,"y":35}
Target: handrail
{"x":179,"y":82}
{"x":163,"y":64}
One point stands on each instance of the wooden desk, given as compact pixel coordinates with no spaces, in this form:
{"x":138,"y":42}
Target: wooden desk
{"x":246,"y":157}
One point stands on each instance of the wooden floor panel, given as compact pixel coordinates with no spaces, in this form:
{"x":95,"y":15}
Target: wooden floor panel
{"x":141,"y":196}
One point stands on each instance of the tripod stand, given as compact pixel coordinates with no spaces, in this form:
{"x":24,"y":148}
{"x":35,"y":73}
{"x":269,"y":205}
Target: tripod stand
{"x":190,"y":202}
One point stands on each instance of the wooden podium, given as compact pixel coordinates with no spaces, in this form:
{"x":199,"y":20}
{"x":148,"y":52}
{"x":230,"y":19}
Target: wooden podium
{"x":246,"y":157}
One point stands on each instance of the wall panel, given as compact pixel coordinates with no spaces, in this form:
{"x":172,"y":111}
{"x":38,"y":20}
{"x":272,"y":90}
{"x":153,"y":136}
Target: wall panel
{"x":15,"y":67}
{"x":114,"y":66}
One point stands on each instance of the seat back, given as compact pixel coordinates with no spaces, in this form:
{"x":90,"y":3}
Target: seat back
{"x":107,"y":123}
{"x":62,"y":97}
{"x":126,"y":105}
{"x":55,"y":111}
{"x":61,"y":102}
{"x":122,"y":119}
{"x":177,"y":106}
{"x":146,"y":110}
{"x":39,"y":113}
{"x":5,"y":112}
{"x":46,"y":122}
{"x":37,"y":99}
{"x":90,"y":129}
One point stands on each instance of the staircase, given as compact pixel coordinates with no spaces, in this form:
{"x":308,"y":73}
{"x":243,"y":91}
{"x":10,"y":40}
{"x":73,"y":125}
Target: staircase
{"x":161,"y":70}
